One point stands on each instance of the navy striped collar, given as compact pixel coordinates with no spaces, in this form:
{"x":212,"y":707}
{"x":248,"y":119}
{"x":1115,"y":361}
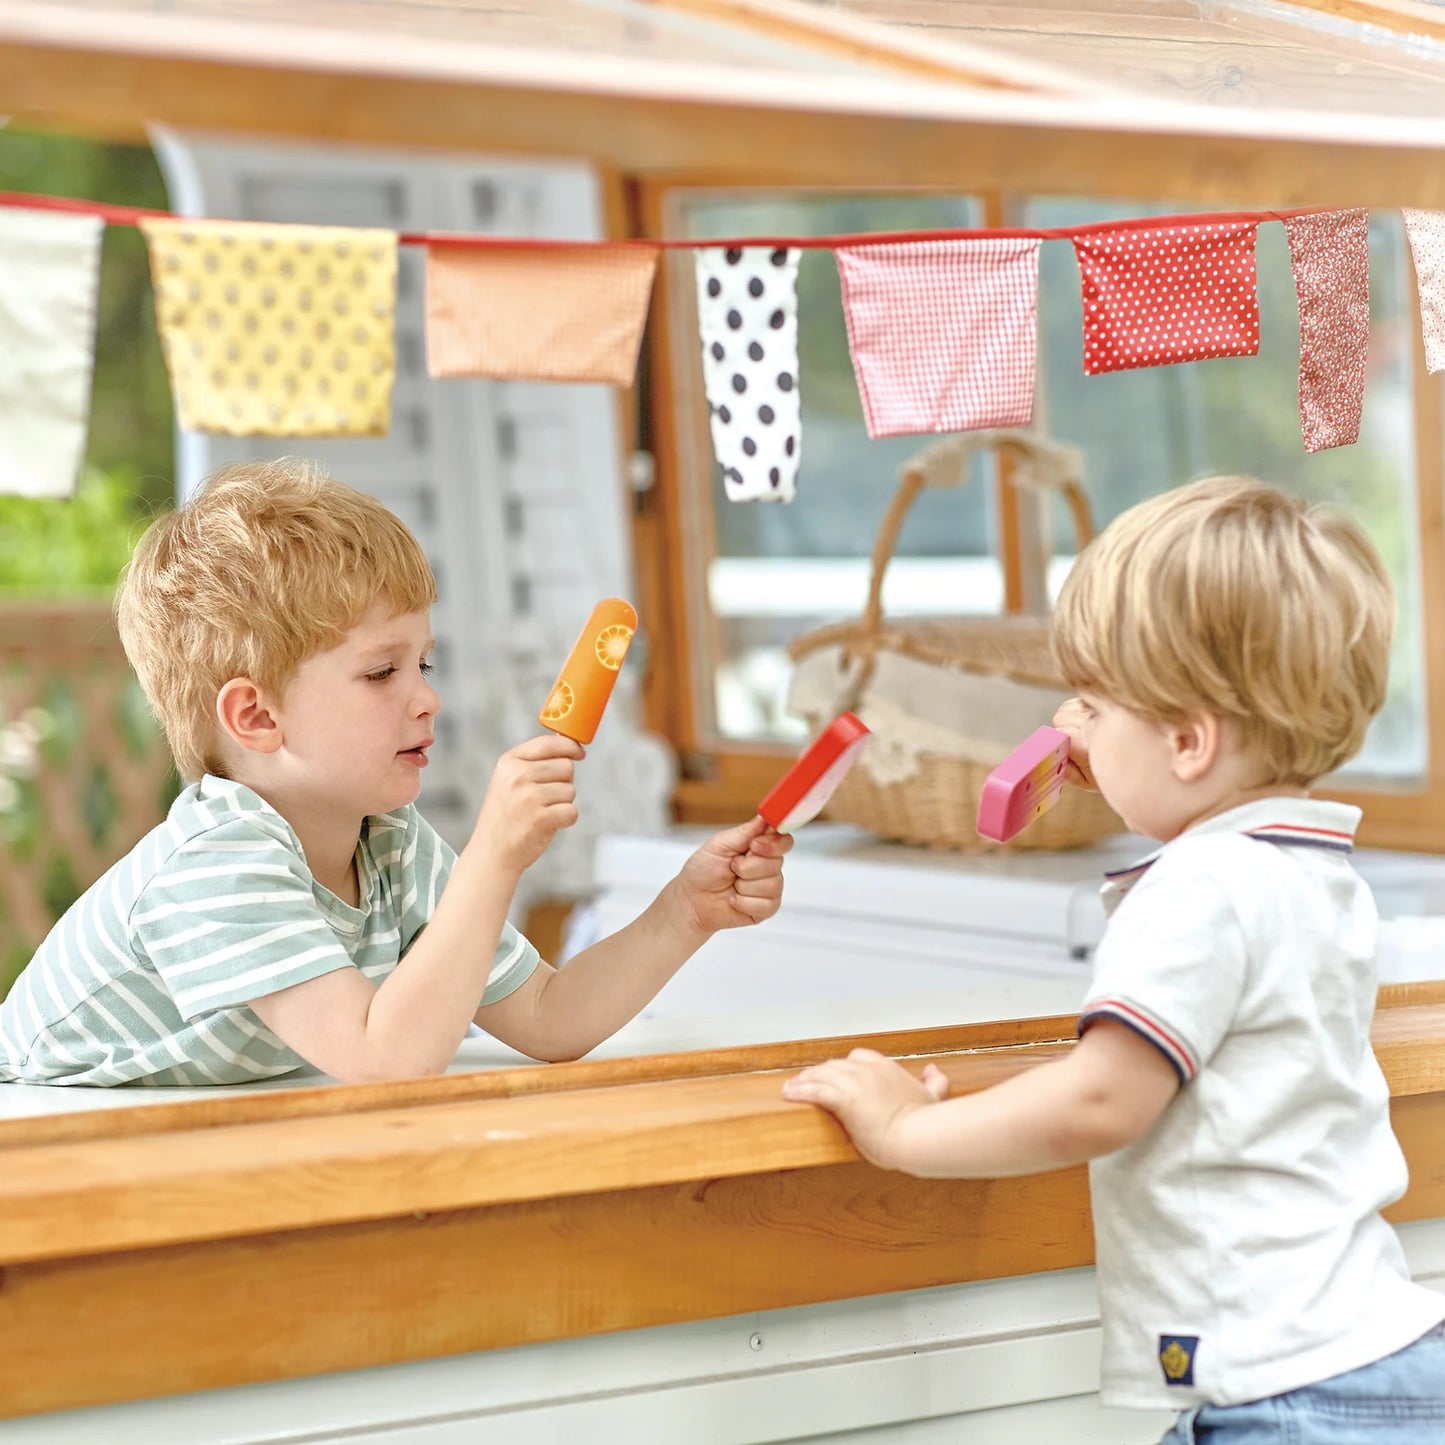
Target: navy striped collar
{"x":1292,"y":822}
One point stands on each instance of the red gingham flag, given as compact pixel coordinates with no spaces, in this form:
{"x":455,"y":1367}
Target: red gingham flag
{"x":1160,"y":294}
{"x":1330,"y":254}
{"x":943,"y":334}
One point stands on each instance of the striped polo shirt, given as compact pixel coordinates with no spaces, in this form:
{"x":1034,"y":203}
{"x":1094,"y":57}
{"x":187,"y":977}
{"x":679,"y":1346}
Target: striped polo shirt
{"x":1241,"y":1252}
{"x":147,"y":977}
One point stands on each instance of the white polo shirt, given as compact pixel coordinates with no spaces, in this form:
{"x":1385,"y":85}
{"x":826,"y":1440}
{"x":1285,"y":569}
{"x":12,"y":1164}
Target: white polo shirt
{"x":1241,"y":1252}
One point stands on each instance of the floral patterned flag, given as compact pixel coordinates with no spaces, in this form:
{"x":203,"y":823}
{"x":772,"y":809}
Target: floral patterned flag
{"x":49,"y":283}
{"x":747,"y":304}
{"x":1155,"y":295}
{"x":273,"y":330}
{"x":537,"y":313}
{"x":943,"y":334}
{"x":1426,"y":230}
{"x":1330,"y":254}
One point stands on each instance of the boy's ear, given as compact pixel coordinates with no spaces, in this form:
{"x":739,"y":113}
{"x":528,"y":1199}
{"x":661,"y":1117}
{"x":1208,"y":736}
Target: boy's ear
{"x":1194,"y":742}
{"x":246,"y":716}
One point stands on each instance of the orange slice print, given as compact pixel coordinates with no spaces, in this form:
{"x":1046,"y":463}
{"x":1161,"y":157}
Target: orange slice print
{"x":559,"y":704}
{"x":611,"y":646}
{"x":579,"y":696}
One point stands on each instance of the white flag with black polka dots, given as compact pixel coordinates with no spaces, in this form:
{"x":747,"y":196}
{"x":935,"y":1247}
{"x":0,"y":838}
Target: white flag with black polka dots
{"x":747,"y":303}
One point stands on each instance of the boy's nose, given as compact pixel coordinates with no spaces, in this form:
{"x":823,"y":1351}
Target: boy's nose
{"x":428,"y":701}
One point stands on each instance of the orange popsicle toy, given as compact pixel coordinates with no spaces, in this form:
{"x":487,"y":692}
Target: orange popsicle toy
{"x":579,"y":697}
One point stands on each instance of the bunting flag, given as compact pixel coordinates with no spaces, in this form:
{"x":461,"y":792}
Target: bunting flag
{"x":943,"y":334}
{"x":1426,"y":230}
{"x":1330,"y":255}
{"x":537,"y":313}
{"x":747,"y":304}
{"x":1163,"y":294}
{"x":273,"y":330}
{"x":49,"y":283}
{"x":290,"y":330}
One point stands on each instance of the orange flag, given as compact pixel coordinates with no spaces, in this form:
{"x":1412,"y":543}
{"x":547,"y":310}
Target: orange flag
{"x":537,"y":313}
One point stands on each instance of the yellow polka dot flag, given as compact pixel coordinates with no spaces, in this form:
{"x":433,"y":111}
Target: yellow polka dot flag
{"x":275,"y":330}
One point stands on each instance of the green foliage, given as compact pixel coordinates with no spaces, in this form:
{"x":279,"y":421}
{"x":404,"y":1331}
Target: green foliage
{"x":10,"y":965}
{"x":61,"y":887}
{"x":73,"y":546}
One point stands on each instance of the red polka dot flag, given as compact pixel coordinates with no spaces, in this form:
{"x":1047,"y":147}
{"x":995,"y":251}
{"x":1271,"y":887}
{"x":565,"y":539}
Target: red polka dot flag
{"x":1330,"y":254}
{"x":943,"y":334}
{"x":1163,"y":294}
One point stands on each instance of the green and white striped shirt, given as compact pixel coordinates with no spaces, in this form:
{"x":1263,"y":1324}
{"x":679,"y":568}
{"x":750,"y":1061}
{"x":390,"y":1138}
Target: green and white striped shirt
{"x":147,"y":977}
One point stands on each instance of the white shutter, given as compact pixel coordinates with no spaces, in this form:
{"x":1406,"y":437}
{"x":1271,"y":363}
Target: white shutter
{"x":514,"y":489}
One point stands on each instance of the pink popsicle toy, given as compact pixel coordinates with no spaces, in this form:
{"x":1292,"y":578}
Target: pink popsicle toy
{"x":803,"y":791}
{"x":1024,"y":786}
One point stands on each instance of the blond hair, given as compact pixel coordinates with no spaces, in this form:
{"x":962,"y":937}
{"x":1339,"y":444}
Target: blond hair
{"x":267,"y":564}
{"x":1230,"y":597}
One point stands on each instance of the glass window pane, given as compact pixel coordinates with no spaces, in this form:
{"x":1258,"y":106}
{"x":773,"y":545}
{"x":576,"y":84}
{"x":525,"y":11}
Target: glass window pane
{"x":1143,"y":431}
{"x":764,"y":575}
{"x":768,"y":573}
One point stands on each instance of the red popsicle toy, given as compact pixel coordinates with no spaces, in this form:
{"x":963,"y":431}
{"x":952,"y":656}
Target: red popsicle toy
{"x":805,"y":788}
{"x":1024,"y":786}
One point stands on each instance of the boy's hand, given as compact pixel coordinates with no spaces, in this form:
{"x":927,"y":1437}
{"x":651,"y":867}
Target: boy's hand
{"x":871,"y":1094}
{"x":529,"y":798}
{"x":1072,"y":718}
{"x":735,"y":878}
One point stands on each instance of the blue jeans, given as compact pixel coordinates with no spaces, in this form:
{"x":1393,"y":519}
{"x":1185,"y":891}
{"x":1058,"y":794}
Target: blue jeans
{"x":1399,"y":1400}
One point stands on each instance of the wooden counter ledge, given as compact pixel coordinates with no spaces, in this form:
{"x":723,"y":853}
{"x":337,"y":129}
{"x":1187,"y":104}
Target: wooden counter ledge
{"x":177,"y":1247}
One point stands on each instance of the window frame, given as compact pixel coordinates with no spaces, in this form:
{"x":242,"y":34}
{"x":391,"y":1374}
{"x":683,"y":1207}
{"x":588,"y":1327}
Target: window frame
{"x":720,"y":781}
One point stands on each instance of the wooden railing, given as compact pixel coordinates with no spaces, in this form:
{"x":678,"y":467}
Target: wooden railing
{"x":162,"y":1249}
{"x":102,"y":775}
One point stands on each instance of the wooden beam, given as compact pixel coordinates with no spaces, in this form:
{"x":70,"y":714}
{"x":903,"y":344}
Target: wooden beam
{"x":63,"y":1199}
{"x":99,"y":1329}
{"x":835,"y":33}
{"x":93,"y":1324}
{"x":172,"y":1185}
{"x":1403,"y":17}
{"x":154,"y":1322}
{"x":325,"y":1101}
{"x":756,"y":128}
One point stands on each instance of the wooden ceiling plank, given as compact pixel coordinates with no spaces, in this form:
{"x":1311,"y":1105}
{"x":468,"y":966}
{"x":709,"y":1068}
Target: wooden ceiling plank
{"x":833,"y":32}
{"x":957,"y":139}
{"x":1404,"y":17}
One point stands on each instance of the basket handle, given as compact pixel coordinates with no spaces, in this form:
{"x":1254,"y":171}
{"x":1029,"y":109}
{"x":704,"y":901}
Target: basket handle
{"x":1041,"y":465}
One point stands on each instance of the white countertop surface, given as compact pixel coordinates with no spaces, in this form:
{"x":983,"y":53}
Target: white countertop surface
{"x":642,"y":1036}
{"x":841,"y":870}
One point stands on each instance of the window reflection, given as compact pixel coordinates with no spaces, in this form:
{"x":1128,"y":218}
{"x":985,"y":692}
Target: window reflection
{"x":1142,"y":430}
{"x":767,"y":574}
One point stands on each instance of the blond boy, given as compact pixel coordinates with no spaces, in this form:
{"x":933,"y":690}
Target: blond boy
{"x":295,"y":907}
{"x":1230,"y":646}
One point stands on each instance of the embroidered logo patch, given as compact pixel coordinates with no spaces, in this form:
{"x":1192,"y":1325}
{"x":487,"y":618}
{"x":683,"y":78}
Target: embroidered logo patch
{"x":1176,"y":1358}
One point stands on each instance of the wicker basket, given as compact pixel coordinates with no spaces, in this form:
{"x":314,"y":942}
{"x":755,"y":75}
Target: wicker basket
{"x":936,"y":802}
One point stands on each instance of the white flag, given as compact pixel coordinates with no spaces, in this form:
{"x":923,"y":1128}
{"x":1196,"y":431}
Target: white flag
{"x":49,"y":285}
